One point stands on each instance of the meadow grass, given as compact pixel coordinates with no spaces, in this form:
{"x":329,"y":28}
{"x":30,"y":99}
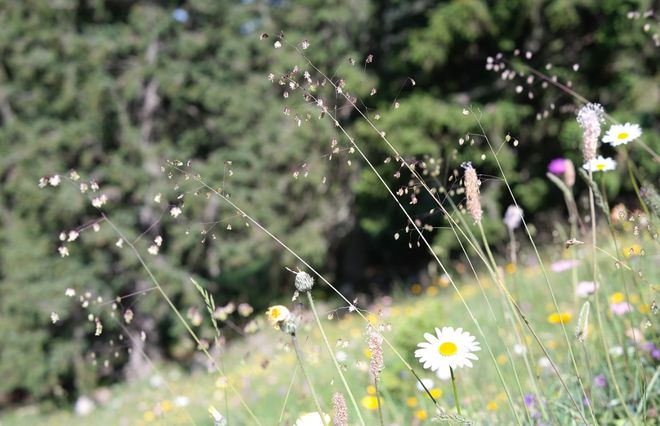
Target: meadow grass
{"x":264,"y":365}
{"x":552,"y":354}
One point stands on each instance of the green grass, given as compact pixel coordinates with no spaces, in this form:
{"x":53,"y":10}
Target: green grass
{"x":262,"y":365}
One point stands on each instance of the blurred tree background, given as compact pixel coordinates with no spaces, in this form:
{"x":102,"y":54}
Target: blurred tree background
{"x":113,"y":88}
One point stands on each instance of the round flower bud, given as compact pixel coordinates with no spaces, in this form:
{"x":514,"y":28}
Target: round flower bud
{"x":304,"y":282}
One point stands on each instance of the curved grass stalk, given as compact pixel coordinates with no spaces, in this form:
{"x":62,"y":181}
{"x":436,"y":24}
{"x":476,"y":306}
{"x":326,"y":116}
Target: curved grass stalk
{"x":334,"y":359}
{"x":152,"y":365}
{"x":584,"y":100}
{"x":538,"y":257}
{"x":288,"y":392}
{"x":310,"y":385}
{"x":518,"y":311}
{"x":198,"y":179}
{"x":332,"y":287}
{"x":414,"y":172}
{"x":627,"y":293}
{"x":378,"y":404}
{"x":599,"y":322}
{"x":509,"y":356}
{"x":179,"y":316}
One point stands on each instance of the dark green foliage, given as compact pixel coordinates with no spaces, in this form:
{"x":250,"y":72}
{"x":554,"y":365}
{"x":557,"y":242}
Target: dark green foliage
{"x":115,"y":88}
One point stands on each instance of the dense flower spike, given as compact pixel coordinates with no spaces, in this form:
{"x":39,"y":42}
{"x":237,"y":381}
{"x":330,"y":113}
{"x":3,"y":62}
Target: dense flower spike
{"x":376,"y":364}
{"x":341,"y":411}
{"x":471,"y":182}
{"x":622,"y":134}
{"x":449,"y":347}
{"x":590,"y":118}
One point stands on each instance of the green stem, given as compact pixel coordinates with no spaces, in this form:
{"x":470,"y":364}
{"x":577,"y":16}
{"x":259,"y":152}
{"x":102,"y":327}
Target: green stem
{"x":599,"y":322}
{"x":179,"y":316}
{"x":334,"y":360}
{"x":296,"y":347}
{"x":288,"y":392}
{"x":380,"y":410}
{"x":453,"y":385}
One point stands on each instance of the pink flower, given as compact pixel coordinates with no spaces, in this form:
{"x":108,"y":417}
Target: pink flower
{"x":564,"y":265}
{"x":585,"y":288}
{"x":620,"y":308}
{"x":557,"y":166}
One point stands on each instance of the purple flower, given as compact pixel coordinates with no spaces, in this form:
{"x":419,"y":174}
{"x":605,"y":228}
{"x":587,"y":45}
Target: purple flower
{"x":655,"y":354}
{"x":648,"y":346}
{"x":529,"y":399}
{"x":564,"y":265}
{"x":600,"y":381}
{"x":557,"y":166}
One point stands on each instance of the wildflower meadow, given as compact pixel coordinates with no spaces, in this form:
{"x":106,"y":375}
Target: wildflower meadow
{"x":329,"y":213}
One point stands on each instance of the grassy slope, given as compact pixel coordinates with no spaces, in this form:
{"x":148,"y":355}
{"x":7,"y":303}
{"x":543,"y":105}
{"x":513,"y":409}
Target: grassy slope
{"x":262,"y":366}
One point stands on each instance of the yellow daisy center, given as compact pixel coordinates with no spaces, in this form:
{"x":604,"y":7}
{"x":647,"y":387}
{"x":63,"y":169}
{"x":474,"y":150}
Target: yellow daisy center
{"x":622,"y":135}
{"x":600,"y":166}
{"x":275,"y":313}
{"x":447,"y":348}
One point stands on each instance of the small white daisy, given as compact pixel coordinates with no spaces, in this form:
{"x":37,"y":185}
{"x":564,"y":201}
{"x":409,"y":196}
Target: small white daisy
{"x":600,"y":164}
{"x":448,"y":348}
{"x":621,"y":134}
{"x":313,"y":419}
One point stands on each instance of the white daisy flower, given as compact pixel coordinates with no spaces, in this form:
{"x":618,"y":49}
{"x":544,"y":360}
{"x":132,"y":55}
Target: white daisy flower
{"x":313,"y":419}
{"x":448,"y":348}
{"x":427,"y":382}
{"x":600,"y":164}
{"x":621,"y":134}
{"x":443,"y":373}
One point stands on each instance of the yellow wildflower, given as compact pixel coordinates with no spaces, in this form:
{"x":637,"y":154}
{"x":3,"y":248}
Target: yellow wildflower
{"x":556,"y":318}
{"x":617,"y":297}
{"x":421,"y":414}
{"x":436,"y":393}
{"x":370,"y":402}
